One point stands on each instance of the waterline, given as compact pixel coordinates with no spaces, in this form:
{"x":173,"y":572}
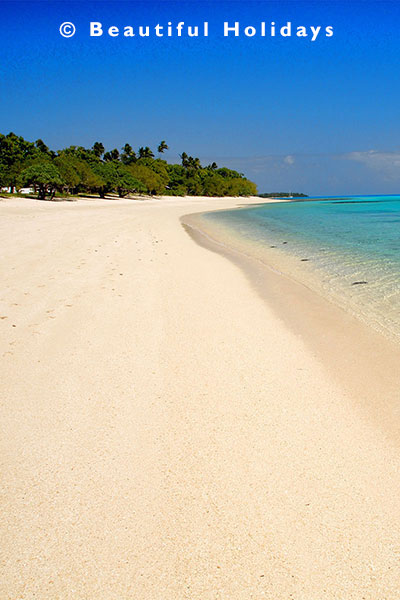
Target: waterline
{"x":346,"y":249}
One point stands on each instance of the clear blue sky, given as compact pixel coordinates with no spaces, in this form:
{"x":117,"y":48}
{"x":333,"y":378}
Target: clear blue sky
{"x":319,"y":117}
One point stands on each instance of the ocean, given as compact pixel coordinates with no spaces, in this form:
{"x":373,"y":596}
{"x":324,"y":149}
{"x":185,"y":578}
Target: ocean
{"x":347,"y":249}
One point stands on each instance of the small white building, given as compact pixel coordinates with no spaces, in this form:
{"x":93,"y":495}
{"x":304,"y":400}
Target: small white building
{"x":25,"y":190}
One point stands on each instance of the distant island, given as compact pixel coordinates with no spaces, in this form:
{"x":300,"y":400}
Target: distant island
{"x":282,"y":195}
{"x":76,"y":170}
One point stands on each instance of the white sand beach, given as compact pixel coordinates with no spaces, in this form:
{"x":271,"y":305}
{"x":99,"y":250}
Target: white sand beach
{"x":168,"y":434}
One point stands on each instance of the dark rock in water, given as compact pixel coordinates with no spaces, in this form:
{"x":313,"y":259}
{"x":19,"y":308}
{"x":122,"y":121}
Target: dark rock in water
{"x":359,"y":282}
{"x":304,"y":259}
{"x":272,"y":246}
{"x":284,"y":242}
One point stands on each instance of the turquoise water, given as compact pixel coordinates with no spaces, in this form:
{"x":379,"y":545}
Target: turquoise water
{"x":349,"y":247}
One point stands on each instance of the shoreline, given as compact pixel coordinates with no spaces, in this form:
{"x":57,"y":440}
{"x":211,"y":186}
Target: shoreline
{"x":363,"y":360}
{"x":165,"y":433}
{"x":309,"y":272}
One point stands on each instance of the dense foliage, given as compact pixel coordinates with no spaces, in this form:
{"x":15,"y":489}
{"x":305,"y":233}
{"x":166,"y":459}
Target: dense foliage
{"x":77,"y":170}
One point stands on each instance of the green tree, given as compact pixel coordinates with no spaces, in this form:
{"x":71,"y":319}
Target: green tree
{"x":145,"y":152}
{"x":158,"y":166}
{"x":189,"y":162}
{"x":3,"y":176}
{"x":67,"y":167}
{"x":113,"y":155}
{"x":45,"y":177}
{"x":128,"y":155}
{"x":77,"y":168}
{"x":81,"y":153}
{"x":214,"y":185}
{"x":162,"y":147}
{"x":176,"y":185}
{"x":194,"y":163}
{"x":98,"y":149}
{"x":240,"y":186}
{"x":193,"y":184}
{"x":82,"y":170}
{"x":153,"y":182}
{"x":117,"y":178}
{"x":15,"y":154}
{"x":43,"y":149}
{"x":184,"y":158}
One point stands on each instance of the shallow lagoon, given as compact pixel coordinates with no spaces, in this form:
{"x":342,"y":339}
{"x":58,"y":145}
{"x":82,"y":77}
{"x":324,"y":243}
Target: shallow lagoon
{"x":346,"y":248}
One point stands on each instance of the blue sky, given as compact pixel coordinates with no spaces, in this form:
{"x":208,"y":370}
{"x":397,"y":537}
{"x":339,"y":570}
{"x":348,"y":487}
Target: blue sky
{"x":319,"y":117}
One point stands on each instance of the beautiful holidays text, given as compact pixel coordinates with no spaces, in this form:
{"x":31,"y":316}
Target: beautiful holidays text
{"x":228,"y":29}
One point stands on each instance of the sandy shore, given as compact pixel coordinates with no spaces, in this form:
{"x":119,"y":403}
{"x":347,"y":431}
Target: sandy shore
{"x":167,"y":433}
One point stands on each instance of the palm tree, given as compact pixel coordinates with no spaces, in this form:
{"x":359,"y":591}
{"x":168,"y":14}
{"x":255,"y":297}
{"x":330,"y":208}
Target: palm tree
{"x":189,"y":162}
{"x":128,"y":155}
{"x":162,"y":147}
{"x":98,"y":149}
{"x":194,"y":163}
{"x":184,"y":157}
{"x":113,"y":155}
{"x":145,"y":152}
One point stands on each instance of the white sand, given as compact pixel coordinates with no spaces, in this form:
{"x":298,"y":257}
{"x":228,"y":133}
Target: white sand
{"x":165,"y":434}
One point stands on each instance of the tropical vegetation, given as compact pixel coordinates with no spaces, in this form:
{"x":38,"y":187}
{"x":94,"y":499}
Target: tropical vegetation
{"x":78,"y":171}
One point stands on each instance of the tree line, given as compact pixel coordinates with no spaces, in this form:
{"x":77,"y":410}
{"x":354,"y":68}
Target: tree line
{"x":77,"y":170}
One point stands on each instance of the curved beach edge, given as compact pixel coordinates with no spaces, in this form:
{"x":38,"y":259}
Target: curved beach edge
{"x":363,"y":361}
